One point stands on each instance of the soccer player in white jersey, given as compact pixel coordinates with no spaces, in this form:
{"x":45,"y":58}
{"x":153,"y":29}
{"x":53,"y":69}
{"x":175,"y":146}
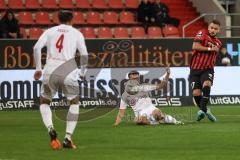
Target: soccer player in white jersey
{"x":136,"y":96}
{"x":62,"y":42}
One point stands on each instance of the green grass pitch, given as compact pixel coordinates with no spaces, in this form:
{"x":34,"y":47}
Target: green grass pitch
{"x":23,"y":136}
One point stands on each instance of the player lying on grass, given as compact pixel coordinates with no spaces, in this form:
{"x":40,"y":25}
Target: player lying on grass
{"x":136,"y":95}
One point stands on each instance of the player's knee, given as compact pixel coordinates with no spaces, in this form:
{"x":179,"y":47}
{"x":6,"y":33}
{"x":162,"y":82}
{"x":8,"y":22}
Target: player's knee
{"x":74,"y":100}
{"x":142,"y":120}
{"x":196,"y":92}
{"x":44,"y":101}
{"x":207,"y":83}
{"x":158,"y":114}
{"x":206,"y":91}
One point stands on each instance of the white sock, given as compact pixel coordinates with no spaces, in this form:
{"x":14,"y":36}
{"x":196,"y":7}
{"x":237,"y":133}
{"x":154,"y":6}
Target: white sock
{"x":46,"y":116}
{"x":169,"y":119}
{"x":72,"y":118}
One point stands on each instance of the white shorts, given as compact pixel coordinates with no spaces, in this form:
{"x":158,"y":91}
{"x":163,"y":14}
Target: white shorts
{"x":148,"y":113}
{"x":51,"y":84}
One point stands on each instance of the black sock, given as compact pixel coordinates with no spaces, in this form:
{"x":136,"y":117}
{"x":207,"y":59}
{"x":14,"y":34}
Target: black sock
{"x":205,"y":98}
{"x":197,"y":100}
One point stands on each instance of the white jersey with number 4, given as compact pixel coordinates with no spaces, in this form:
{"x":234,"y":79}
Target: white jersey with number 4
{"x":61,"y":41}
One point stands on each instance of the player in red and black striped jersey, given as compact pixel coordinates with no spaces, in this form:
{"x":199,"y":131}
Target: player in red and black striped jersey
{"x":205,"y":49}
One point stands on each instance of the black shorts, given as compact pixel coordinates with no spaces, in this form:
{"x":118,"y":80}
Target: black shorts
{"x":198,"y":77}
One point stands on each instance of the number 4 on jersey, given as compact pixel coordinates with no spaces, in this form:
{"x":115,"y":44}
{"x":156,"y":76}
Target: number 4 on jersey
{"x":59,"y":44}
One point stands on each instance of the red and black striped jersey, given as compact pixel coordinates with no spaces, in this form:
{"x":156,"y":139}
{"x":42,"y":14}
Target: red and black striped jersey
{"x":205,"y":59}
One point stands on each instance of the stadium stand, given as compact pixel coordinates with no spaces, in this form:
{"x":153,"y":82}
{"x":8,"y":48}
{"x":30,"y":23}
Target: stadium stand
{"x":99,"y":4}
{"x":93,"y":17}
{"x":83,"y":4}
{"x":127,"y":18}
{"x":110,"y":17}
{"x":88,"y":32}
{"x":137,"y":32}
{"x":170,"y":31}
{"x":25,"y":18}
{"x":66,"y":4}
{"x":2,"y":4}
{"x":121,"y":32}
{"x":104,"y":32}
{"x":32,"y":4}
{"x":42,"y":18}
{"x":117,"y":4}
{"x":99,"y":13}
{"x":154,"y":32}
{"x":35,"y":33}
{"x":78,"y":18}
{"x":24,"y":33}
{"x":55,"y":17}
{"x":13,"y":4}
{"x":49,"y":4}
{"x":131,"y":3}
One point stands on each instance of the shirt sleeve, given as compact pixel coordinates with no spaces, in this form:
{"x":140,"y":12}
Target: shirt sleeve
{"x":143,"y":88}
{"x":42,"y":41}
{"x":81,"y":46}
{"x":123,"y":105}
{"x":199,"y":37}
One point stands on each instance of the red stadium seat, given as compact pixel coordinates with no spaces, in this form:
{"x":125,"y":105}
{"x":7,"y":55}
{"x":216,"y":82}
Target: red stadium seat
{"x":2,"y":4}
{"x":116,"y":4}
{"x":55,"y":18}
{"x":66,"y":4}
{"x":137,"y":32}
{"x":32,"y":4}
{"x":35,"y":33}
{"x":99,"y":4}
{"x":171,"y":31}
{"x":121,"y":32}
{"x":83,"y":4}
{"x":127,"y":18}
{"x":42,"y":18}
{"x":78,"y":18}
{"x":15,"y":4}
{"x":110,"y":17}
{"x":50,"y":4}
{"x":25,"y":18}
{"x":23,"y":31}
{"x":104,"y":32}
{"x":93,"y":17}
{"x":154,"y":32}
{"x":88,"y":32}
{"x":132,"y":3}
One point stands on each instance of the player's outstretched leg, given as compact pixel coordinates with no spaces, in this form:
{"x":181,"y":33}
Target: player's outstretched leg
{"x":72,"y":118}
{"x":46,"y":114}
{"x":168,"y":119}
{"x":205,"y":99}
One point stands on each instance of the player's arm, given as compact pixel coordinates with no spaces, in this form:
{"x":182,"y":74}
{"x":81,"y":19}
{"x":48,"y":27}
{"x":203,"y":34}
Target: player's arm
{"x":199,"y":47}
{"x":119,"y":117}
{"x":81,"y":46}
{"x":121,"y":112}
{"x":198,"y":41}
{"x":38,"y":54}
{"x":165,"y":80}
{"x":151,"y":87}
